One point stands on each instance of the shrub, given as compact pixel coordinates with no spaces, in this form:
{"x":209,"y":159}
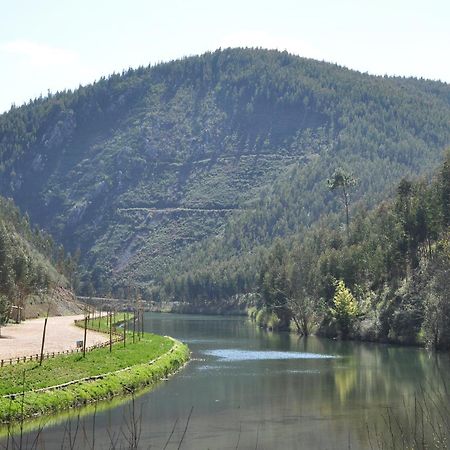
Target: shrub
{"x":345,"y":309}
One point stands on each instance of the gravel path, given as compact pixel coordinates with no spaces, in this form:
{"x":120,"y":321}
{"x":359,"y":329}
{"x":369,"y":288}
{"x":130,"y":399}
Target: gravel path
{"x":25,"y":339}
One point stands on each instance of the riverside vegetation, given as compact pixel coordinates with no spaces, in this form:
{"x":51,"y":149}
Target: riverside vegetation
{"x":385,"y":277}
{"x":26,"y":388}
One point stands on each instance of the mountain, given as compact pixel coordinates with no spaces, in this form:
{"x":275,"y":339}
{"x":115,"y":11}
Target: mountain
{"x":202,"y":162}
{"x":34,"y":272}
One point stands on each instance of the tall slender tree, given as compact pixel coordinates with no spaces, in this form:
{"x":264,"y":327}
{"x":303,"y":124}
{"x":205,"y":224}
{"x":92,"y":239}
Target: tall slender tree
{"x":343,"y":181}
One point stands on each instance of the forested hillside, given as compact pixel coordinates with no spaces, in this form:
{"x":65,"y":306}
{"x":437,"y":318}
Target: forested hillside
{"x":31,"y":265}
{"x":187,"y":171}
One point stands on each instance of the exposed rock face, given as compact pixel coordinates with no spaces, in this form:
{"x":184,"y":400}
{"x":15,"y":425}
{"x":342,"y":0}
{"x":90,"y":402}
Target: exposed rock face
{"x":76,"y":213}
{"x":61,"y":131}
{"x":16,"y":181}
{"x":37,"y":164}
{"x":60,"y":302}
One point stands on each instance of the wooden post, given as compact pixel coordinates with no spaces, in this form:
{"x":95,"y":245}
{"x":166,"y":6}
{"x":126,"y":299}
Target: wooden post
{"x":85,"y":335}
{"x":110,"y":333}
{"x":134,"y":326}
{"x":139,"y":323}
{"x":124,"y":331}
{"x":43,"y":341}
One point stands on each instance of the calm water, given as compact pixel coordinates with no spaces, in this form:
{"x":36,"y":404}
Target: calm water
{"x":246,"y":388}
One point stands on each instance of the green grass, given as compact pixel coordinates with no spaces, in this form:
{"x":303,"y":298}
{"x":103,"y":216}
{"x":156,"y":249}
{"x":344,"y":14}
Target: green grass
{"x":73,"y":367}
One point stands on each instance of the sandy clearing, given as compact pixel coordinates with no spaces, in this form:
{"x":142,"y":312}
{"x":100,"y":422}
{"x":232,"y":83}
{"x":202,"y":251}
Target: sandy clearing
{"x":25,"y":339}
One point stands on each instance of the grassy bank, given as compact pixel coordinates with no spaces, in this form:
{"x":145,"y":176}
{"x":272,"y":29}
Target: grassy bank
{"x":123,"y":370}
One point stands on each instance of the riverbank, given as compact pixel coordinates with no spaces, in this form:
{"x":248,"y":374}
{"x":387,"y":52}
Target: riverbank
{"x":28,"y":389}
{"x":269,"y":321}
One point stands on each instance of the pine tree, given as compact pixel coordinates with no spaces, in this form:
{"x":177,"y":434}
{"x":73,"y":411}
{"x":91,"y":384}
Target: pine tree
{"x":343,"y":181}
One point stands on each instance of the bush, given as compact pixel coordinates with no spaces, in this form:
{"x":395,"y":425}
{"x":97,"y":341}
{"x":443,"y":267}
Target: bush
{"x":267,"y":319}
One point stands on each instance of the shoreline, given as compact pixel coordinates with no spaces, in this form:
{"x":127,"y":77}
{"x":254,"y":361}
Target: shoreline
{"x":291,"y":331}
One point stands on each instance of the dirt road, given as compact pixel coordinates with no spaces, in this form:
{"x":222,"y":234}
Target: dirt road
{"x":25,"y":339}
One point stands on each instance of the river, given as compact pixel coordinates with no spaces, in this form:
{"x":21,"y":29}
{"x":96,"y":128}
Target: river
{"x":247,"y":388}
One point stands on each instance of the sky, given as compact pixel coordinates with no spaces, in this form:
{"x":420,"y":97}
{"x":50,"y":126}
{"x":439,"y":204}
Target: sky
{"x":50,"y":45}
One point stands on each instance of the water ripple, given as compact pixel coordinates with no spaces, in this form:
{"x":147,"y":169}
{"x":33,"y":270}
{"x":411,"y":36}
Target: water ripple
{"x":249,"y":355}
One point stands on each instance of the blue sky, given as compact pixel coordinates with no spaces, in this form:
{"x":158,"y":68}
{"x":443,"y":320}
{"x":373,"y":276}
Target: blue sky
{"x":57,"y":44}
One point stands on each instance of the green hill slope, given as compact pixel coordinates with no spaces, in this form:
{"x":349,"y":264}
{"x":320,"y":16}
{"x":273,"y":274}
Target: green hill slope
{"x":229,"y":149}
{"x":29,"y":279}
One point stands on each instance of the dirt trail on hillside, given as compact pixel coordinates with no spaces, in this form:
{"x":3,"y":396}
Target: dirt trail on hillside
{"x":25,"y":339}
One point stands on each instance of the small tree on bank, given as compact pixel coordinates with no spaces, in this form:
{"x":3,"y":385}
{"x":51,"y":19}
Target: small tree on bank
{"x":345,"y":309}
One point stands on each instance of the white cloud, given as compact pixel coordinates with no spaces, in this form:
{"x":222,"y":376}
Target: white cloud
{"x":257,"y":38}
{"x":38,"y":54}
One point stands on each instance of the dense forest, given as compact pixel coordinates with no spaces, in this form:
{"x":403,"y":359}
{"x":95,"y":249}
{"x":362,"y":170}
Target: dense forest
{"x":183,"y":174}
{"x":31,"y":264}
{"x":385,"y":277}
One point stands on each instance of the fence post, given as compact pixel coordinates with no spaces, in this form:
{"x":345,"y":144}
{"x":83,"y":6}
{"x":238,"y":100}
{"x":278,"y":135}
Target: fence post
{"x":86,"y":318}
{"x":43,"y":341}
{"x":110,"y":332}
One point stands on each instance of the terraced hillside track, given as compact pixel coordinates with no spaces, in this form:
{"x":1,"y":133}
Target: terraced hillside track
{"x":177,"y":209}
